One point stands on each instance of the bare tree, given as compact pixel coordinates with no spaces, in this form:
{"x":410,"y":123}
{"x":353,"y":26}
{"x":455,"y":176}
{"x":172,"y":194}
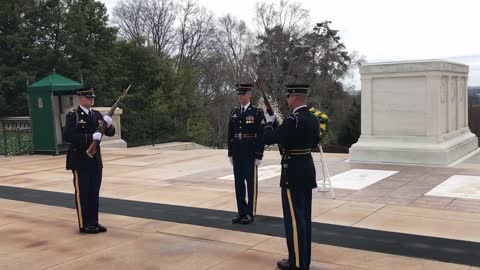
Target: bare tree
{"x":277,"y":56}
{"x":227,"y":60}
{"x":195,"y":28}
{"x":288,"y":16}
{"x":129,"y":16}
{"x":160,"y":17}
{"x":279,"y":51}
{"x":234,"y":41}
{"x":147,"y":22}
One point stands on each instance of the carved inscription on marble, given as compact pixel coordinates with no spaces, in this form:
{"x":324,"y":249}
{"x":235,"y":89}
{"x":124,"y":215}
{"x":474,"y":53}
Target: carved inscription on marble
{"x":443,"y":89}
{"x":461,"y":90}
{"x":452,"y":93}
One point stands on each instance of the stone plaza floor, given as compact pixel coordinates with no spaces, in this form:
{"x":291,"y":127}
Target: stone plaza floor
{"x":171,"y":209}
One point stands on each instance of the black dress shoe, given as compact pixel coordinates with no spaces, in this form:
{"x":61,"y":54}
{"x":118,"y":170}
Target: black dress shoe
{"x":89,"y":229}
{"x":246,"y":219}
{"x":283,"y":264}
{"x":236,"y":219}
{"x":101,"y":228}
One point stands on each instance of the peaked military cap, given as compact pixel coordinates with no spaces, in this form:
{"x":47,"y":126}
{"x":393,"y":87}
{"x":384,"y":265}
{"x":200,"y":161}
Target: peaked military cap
{"x":88,"y":92}
{"x":297,"y":88}
{"x":242,"y":88}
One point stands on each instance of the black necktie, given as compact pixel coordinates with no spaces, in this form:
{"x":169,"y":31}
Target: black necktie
{"x":90,"y":114}
{"x":243,"y":109}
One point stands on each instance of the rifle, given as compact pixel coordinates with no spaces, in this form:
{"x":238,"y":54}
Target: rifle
{"x":265,"y":99}
{"x":101,"y":128}
{"x":267,"y":103}
{"x":269,"y":108}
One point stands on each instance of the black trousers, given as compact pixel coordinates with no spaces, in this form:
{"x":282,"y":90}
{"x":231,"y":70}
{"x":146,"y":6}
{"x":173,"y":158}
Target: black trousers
{"x":297,"y":216}
{"x":87,"y":190}
{"x":245,"y":171}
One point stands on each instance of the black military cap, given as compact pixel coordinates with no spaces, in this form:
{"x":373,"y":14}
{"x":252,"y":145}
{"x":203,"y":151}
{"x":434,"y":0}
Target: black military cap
{"x":242,"y":88}
{"x":88,"y":92}
{"x":297,"y":88}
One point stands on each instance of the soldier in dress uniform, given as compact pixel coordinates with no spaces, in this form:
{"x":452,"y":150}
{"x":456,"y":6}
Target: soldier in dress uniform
{"x":245,"y":150}
{"x":298,"y":133}
{"x":81,"y":130}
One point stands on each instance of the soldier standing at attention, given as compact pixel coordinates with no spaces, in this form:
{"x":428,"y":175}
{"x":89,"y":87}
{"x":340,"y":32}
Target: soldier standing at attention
{"x":245,"y":150}
{"x":81,"y":130}
{"x":297,"y":134}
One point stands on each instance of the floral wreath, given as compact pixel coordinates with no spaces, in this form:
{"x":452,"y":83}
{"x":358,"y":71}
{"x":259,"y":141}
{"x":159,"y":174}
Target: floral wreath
{"x":324,"y":124}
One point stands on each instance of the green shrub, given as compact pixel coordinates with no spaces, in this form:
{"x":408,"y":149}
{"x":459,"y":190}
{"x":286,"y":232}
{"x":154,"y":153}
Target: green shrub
{"x":17,"y":143}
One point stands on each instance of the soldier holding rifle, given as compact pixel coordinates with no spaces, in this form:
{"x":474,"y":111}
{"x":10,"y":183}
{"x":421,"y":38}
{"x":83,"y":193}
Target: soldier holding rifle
{"x":84,"y":130}
{"x":298,"y":133}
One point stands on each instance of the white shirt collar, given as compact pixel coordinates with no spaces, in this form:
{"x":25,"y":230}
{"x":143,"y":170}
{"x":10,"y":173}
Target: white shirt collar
{"x":246,"y":106}
{"x":299,"y":107}
{"x":85,"y":109}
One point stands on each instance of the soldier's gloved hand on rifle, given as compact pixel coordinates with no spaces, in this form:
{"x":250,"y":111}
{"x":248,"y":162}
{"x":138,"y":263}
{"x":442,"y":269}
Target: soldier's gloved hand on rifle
{"x":107,"y":120}
{"x":270,"y":118}
{"x":97,"y":136}
{"x":258,"y":162}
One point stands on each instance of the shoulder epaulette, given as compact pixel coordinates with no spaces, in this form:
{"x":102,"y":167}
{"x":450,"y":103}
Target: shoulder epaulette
{"x":234,"y":110}
{"x":71,"y":112}
{"x":294,"y":118}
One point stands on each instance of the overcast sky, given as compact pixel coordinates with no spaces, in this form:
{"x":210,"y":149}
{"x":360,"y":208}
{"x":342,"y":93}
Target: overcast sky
{"x":389,"y":30}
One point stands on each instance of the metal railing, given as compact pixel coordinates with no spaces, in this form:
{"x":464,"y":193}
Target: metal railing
{"x":153,"y":128}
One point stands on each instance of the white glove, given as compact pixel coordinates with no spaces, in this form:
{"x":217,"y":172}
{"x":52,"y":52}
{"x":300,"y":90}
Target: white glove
{"x":270,"y":118}
{"x":108,"y":120}
{"x":97,"y":136}
{"x":258,"y":162}
{"x":231,"y":160}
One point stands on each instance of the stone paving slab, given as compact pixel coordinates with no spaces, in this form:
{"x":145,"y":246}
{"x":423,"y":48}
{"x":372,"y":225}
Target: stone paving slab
{"x":31,"y":242}
{"x":397,"y":203}
{"x":126,"y":213}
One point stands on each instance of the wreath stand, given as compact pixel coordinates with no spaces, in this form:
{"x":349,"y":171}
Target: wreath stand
{"x":326,"y":176}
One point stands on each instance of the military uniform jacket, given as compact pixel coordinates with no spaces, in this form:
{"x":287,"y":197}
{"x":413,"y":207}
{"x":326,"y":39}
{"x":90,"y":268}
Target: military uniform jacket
{"x":245,"y":133}
{"x":79,"y":129}
{"x":299,"y":133}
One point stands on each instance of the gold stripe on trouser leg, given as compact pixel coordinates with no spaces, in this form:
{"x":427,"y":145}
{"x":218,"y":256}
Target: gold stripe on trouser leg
{"x":294,"y":225}
{"x":255,"y":187}
{"x":79,"y":206}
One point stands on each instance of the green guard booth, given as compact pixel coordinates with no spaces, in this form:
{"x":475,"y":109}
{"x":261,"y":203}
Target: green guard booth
{"x":49,"y":100}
